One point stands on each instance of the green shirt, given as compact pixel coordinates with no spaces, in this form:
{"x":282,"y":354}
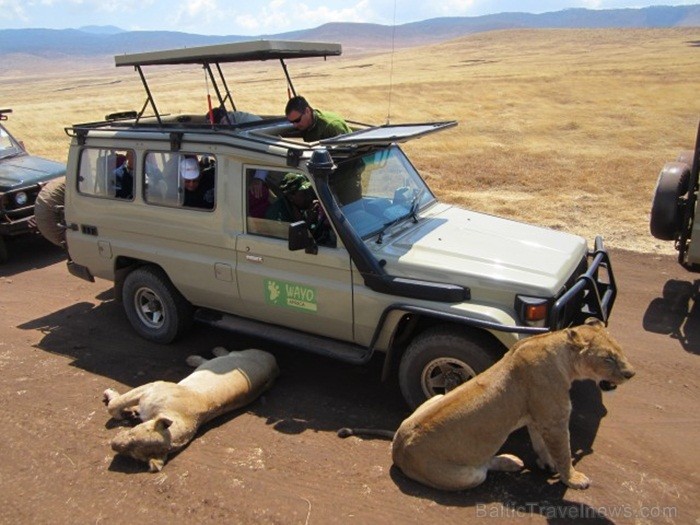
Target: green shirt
{"x":326,"y":125}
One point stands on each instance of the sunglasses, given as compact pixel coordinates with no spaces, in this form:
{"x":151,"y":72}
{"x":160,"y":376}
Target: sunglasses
{"x":298,"y":119}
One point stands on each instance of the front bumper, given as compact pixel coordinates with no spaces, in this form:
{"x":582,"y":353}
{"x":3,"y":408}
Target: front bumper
{"x":592,"y":294}
{"x":12,"y":228}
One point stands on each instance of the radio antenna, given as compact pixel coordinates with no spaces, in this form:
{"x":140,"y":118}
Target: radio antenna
{"x":391,"y":66}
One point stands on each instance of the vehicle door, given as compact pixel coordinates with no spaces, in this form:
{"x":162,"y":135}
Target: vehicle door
{"x":308,"y":292}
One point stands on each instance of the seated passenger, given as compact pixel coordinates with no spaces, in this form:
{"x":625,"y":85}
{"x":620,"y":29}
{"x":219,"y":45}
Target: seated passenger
{"x":199,"y":186}
{"x":258,"y":195}
{"x":124,"y":176}
{"x":299,"y":202}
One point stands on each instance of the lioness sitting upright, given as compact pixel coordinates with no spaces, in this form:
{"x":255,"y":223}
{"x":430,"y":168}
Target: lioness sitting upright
{"x":172,"y":412}
{"x":450,"y":441}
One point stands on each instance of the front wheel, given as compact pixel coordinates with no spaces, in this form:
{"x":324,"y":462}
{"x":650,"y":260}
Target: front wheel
{"x":440,"y":359}
{"x":155,"y":308}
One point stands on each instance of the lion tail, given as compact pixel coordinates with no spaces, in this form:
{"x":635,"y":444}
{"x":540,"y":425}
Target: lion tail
{"x":375,"y":432}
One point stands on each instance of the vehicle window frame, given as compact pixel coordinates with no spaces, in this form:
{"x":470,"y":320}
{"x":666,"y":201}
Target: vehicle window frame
{"x":102,"y":181}
{"x":164,"y":167}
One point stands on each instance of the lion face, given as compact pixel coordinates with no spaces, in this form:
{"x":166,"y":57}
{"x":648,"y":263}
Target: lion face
{"x":600,"y":357}
{"x":149,"y":442}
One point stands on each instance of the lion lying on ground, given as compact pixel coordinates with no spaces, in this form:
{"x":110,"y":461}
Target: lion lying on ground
{"x":172,"y":413}
{"x":450,"y":441}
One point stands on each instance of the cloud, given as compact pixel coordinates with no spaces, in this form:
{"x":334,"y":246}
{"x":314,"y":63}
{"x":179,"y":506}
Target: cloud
{"x":285,"y":15}
{"x":11,"y":10}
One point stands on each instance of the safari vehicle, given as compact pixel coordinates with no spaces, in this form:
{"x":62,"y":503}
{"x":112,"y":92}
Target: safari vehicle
{"x":674,"y":206}
{"x":21,"y":178}
{"x":442,"y":291}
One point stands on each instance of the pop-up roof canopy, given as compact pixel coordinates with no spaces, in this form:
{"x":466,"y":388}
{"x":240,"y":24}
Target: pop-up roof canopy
{"x":256,"y":50}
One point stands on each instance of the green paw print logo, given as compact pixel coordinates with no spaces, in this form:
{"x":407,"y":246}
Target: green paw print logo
{"x":273,"y":291}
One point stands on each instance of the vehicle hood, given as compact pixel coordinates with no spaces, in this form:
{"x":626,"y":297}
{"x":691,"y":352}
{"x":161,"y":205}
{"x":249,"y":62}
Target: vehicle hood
{"x":457,"y":246}
{"x":25,"y":170}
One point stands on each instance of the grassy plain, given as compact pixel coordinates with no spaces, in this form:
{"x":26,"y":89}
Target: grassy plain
{"x":563,"y":128}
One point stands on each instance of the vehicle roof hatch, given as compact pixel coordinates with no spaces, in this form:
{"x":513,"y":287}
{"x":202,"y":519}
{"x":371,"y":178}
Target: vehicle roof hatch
{"x":387,"y":134}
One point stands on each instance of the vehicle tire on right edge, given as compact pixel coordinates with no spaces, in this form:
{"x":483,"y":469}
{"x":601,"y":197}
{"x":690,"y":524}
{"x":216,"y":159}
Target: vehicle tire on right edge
{"x":666,"y":220}
{"x":155,"y":308}
{"x":440,"y":359}
{"x":47,"y":213}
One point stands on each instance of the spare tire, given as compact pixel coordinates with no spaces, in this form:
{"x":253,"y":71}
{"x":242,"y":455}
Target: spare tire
{"x":48,"y":211}
{"x":666,"y":217}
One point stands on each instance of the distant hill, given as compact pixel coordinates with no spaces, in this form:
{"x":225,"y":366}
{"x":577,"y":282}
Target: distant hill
{"x":110,"y":40}
{"x":101,"y":30}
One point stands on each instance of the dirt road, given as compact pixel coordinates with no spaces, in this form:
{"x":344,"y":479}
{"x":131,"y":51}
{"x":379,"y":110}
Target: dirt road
{"x":65,"y":340}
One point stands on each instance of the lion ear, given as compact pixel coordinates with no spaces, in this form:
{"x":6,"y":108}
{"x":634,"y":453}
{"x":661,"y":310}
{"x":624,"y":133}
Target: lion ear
{"x":163,"y":423}
{"x":594,"y":321}
{"x":576,"y":341}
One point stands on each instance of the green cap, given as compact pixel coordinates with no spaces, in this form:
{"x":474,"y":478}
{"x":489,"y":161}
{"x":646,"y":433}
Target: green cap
{"x":294,"y":182}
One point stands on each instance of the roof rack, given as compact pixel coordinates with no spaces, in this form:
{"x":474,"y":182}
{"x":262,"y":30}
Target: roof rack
{"x":208,"y":56}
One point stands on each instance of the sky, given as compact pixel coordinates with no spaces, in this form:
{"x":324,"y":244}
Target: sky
{"x":259,"y":17}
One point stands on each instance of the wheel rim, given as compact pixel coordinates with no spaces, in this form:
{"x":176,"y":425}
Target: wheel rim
{"x":443,"y":374}
{"x":149,"y":308}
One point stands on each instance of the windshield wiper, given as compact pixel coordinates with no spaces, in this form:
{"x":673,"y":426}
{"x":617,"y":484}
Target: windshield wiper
{"x":412,"y":213}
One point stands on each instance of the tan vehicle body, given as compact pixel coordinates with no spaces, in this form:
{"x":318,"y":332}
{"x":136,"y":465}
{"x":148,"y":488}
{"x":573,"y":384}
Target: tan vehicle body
{"x":443,"y":291}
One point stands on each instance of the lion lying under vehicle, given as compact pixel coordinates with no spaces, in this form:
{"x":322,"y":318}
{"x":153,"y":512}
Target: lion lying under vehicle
{"x":450,"y":441}
{"x":171,"y":413}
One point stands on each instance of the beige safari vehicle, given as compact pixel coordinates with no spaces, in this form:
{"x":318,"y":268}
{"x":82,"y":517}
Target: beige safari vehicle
{"x":674,"y":206}
{"x":443,"y":292}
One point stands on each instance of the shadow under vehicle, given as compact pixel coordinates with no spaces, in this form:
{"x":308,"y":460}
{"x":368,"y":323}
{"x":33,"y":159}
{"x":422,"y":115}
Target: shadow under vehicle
{"x":381,"y":266}
{"x":22,"y":177}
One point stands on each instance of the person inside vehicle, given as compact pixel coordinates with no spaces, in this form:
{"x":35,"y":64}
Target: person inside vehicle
{"x":199,"y":184}
{"x":124,"y":176}
{"x":298,"y":202}
{"x":229,"y":118}
{"x":313,"y":124}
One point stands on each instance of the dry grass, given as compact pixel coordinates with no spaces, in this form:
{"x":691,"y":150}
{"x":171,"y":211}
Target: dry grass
{"x":564,"y":128}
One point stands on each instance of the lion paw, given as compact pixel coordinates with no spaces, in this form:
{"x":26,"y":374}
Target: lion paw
{"x":506,"y":463}
{"x":578,"y":480}
{"x":108,"y":395}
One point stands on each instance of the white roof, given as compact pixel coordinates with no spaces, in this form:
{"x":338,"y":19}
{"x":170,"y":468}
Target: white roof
{"x":254,"y":50}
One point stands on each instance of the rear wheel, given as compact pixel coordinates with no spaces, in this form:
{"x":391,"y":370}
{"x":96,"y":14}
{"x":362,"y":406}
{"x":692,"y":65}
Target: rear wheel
{"x":155,"y":308}
{"x":441,"y":359}
{"x":666,"y":217}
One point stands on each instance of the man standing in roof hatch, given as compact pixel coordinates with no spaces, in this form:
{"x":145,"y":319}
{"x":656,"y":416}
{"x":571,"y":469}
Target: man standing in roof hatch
{"x":314,"y":124}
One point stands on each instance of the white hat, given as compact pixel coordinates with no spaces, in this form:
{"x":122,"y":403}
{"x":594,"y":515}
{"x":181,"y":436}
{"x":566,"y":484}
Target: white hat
{"x":189,"y":169}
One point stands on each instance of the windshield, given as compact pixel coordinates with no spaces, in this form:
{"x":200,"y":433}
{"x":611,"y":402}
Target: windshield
{"x":378,"y":190}
{"x":8,"y":145}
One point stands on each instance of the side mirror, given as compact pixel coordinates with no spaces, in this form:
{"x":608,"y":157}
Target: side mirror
{"x":300,"y":238}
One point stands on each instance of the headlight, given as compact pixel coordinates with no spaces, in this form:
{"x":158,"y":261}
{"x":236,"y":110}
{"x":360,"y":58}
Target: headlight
{"x":21,"y":198}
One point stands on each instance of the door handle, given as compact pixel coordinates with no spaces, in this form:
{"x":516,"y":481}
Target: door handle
{"x":254,"y":258}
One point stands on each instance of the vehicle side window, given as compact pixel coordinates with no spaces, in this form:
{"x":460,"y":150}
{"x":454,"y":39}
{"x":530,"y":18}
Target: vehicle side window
{"x":263,"y":198}
{"x":107,"y":173}
{"x":180,"y":180}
